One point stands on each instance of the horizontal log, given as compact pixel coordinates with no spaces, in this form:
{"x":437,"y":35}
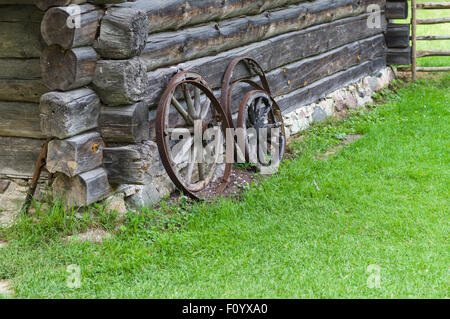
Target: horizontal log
{"x":82,"y":190}
{"x":68,"y":69}
{"x":65,"y":114}
{"x":18,"y":156}
{"x":399,"y":56}
{"x":271,"y":54}
{"x":72,"y":26}
{"x":397,"y":9}
{"x":320,"y":89}
{"x":120,"y":82}
{"x":166,"y":15}
{"x":125,"y":123}
{"x":20,"y":69}
{"x":123,"y":33}
{"x":132,"y":164}
{"x":433,"y":5}
{"x":22,"y":90}
{"x":398,"y":35}
{"x":425,"y":53}
{"x":19,"y":39}
{"x":433,"y":21}
{"x":169,"y":48}
{"x":20,"y":12}
{"x":433,"y":37}
{"x":20,"y":119}
{"x":75,"y":155}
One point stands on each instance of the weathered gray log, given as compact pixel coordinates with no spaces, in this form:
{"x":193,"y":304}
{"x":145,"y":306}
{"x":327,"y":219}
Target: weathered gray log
{"x":22,"y":90}
{"x":434,"y":21}
{"x":398,"y":35}
{"x":82,"y":190}
{"x":72,"y":26}
{"x":134,"y":164}
{"x":125,"y":123}
{"x":120,"y":82}
{"x":397,"y":9}
{"x":174,"y":47}
{"x":20,"y":119}
{"x":20,"y":69}
{"x":399,"y":56}
{"x":320,"y":89}
{"x":271,"y":54}
{"x":65,"y":114}
{"x":75,"y":155}
{"x":18,"y":156}
{"x":123,"y":33}
{"x":68,"y":69}
{"x":19,"y":32}
{"x":175,"y":14}
{"x":433,"y":5}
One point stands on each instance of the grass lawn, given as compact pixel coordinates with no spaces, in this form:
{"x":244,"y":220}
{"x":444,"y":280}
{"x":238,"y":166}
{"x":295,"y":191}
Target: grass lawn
{"x":381,"y":201}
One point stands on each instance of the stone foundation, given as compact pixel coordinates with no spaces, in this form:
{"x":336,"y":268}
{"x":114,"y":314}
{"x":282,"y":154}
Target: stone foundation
{"x":353,"y":96}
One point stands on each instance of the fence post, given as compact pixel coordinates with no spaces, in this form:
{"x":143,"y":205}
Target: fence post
{"x":414,"y":40}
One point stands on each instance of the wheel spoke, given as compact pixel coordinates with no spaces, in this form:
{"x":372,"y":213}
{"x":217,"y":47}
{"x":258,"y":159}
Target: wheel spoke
{"x":197,"y":103}
{"x":182,"y":111}
{"x":190,"y":168}
{"x":185,"y":148}
{"x":189,"y":102}
{"x":205,"y":109}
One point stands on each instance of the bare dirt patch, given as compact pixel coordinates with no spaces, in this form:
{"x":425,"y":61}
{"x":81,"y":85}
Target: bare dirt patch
{"x":349,"y":139}
{"x":7,"y":218}
{"x":92,"y":235}
{"x":6,"y":289}
{"x":3,"y":244}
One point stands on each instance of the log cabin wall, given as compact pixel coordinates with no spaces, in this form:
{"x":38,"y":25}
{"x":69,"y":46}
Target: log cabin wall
{"x":108,"y":73}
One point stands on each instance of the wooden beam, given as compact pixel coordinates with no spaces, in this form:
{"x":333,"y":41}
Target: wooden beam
{"x":433,"y":37}
{"x":65,"y":114}
{"x":20,"y":119}
{"x":82,"y":190}
{"x":123,"y":33}
{"x":22,"y":90}
{"x":425,"y":53}
{"x":132,"y":164}
{"x":68,"y":69}
{"x":120,"y":82}
{"x":398,"y":35}
{"x":434,"y":21}
{"x":433,"y":5}
{"x":427,"y":69}
{"x":20,"y":69}
{"x":125,"y":124}
{"x":320,"y":89}
{"x":18,"y":156}
{"x":397,"y":9}
{"x":71,"y":27}
{"x":75,"y":155}
{"x":399,"y":56}
{"x":414,"y":39}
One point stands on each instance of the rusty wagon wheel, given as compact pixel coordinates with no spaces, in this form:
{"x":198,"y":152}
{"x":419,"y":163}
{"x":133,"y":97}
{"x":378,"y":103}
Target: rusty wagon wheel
{"x":261,"y":126}
{"x":250,"y":110}
{"x":190,"y":130}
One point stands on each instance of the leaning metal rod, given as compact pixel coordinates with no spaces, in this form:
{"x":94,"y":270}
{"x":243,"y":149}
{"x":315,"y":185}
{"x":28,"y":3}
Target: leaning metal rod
{"x":40,"y":163}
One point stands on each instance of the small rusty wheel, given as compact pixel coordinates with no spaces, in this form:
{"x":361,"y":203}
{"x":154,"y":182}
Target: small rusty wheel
{"x":262,"y":127}
{"x":190,"y":130}
{"x":271,"y":117}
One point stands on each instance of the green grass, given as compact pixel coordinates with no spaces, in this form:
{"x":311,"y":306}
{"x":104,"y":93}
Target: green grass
{"x":383,"y":200}
{"x":434,"y":29}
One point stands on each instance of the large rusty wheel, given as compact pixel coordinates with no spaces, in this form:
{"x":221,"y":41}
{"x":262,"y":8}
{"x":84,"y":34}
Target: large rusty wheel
{"x":189,"y":121}
{"x":257,"y":110}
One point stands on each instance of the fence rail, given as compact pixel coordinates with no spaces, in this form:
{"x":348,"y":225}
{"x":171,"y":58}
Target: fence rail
{"x":420,"y":54}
